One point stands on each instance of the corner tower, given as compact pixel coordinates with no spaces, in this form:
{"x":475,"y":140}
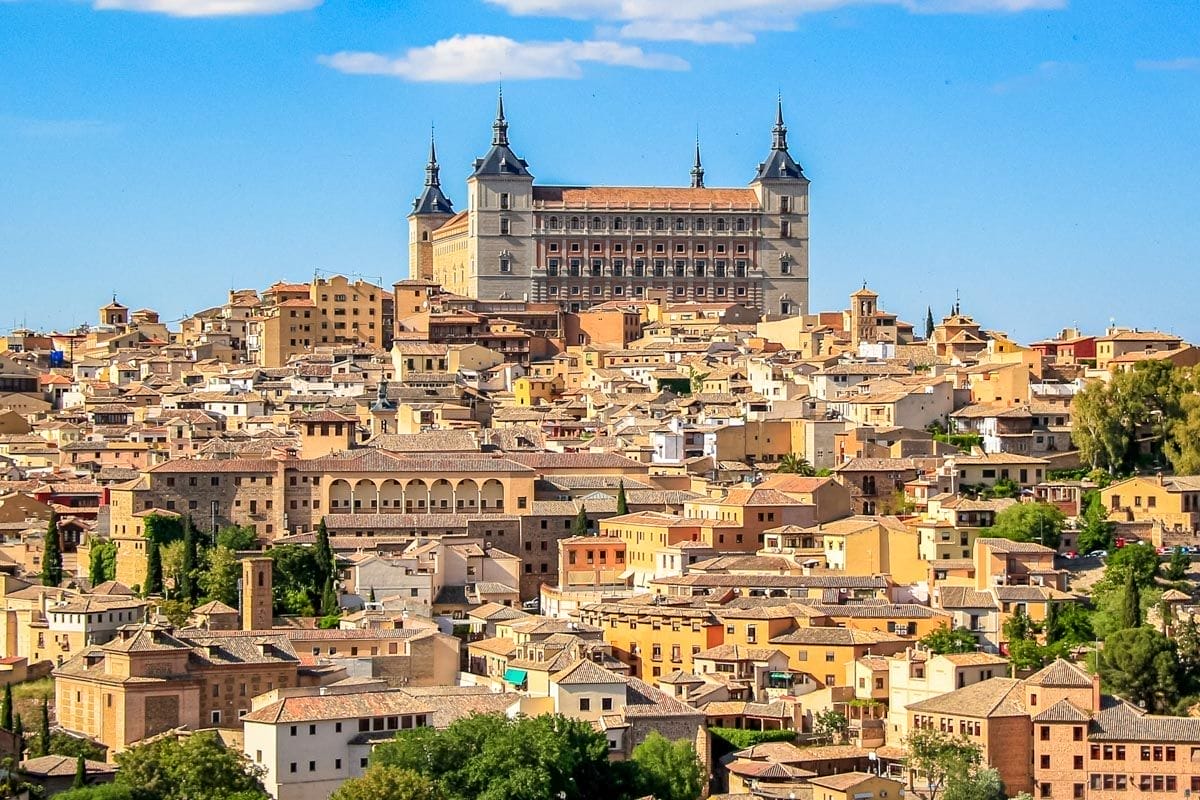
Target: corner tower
{"x":782,"y":191}
{"x":430,"y":211}
{"x":500,"y":206}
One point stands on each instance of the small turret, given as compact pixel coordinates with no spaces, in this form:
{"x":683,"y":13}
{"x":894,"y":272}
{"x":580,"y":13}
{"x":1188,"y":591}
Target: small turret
{"x":697,"y":170}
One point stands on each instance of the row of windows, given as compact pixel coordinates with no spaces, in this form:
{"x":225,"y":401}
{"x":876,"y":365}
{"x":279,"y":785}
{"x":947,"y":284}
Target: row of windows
{"x":738,"y":224}
{"x":640,"y":247}
{"x":660,"y":269}
{"x":638,"y":291}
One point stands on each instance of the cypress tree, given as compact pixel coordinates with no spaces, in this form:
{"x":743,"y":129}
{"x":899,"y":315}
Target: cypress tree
{"x":371,"y":597}
{"x":580,"y":528}
{"x":329,"y":599}
{"x":929,"y":322}
{"x":324,"y":553}
{"x":154,"y":576}
{"x":80,"y":773}
{"x":6,"y":709}
{"x":19,"y":732}
{"x":44,"y":729}
{"x":187,"y":576}
{"x":52,"y":568}
{"x":622,"y":503}
{"x":1131,"y":604}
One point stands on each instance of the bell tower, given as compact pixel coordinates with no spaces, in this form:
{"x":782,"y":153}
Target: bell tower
{"x":430,"y":211}
{"x":256,"y":594}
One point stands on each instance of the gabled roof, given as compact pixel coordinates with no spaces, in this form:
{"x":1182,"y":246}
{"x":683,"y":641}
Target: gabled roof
{"x":994,"y":697}
{"x":585,"y":671}
{"x":1060,"y":673}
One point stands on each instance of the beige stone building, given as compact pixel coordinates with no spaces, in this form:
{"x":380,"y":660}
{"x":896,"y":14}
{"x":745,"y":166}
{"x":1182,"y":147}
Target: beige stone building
{"x":579,"y":246}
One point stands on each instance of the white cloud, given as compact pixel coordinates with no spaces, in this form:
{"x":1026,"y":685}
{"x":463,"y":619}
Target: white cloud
{"x":736,"y":21}
{"x":478,"y":58}
{"x":207,"y":8}
{"x":1170,"y":64}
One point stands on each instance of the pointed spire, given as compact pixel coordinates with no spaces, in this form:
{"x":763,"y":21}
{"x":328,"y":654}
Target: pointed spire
{"x":500,"y":126}
{"x":697,"y":168}
{"x":431,"y":168}
{"x":779,"y":132}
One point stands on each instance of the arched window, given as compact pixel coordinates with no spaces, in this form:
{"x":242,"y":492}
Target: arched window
{"x":574,"y":223}
{"x":597,"y":223}
{"x":740,"y":225}
{"x":660,"y":224}
{"x":721,"y":224}
{"x":680,"y":225}
{"x":700,"y":223}
{"x":424,"y":236}
{"x":617,"y":224}
{"x":553,"y":223}
{"x":639,"y":224}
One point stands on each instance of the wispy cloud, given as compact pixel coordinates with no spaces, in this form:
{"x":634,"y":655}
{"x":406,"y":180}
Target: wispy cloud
{"x":736,"y":21}
{"x":207,"y":8}
{"x":1170,"y":64}
{"x":1045,"y":72}
{"x":36,"y":128}
{"x":478,"y":58}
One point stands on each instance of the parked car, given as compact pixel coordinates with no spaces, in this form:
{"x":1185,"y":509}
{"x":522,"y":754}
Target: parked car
{"x":1098,"y":554}
{"x":1165,"y":551}
{"x":1070,"y":555}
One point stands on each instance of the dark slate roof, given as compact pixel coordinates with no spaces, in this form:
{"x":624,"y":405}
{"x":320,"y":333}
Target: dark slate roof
{"x":779,"y":164}
{"x":500,"y":159}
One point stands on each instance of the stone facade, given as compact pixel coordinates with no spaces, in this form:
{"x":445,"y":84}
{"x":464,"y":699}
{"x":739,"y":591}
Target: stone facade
{"x":582,"y":246}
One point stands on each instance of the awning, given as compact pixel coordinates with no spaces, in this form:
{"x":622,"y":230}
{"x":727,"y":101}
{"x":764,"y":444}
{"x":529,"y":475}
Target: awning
{"x":515,"y":676}
{"x":781,"y":676}
{"x":627,"y":574}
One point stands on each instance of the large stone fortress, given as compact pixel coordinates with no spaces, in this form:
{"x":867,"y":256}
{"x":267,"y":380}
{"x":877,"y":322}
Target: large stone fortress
{"x":583,"y":245}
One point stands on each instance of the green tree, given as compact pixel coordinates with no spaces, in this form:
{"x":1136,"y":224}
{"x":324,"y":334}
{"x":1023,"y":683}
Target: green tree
{"x":323,"y":553}
{"x":11,"y":782}
{"x":63,"y":744}
{"x":947,"y":640}
{"x":1107,"y":417}
{"x":1005,"y":488}
{"x":171,"y":555}
{"x":1139,"y":664}
{"x":830,"y":726}
{"x":329,"y":599}
{"x":80,"y":773}
{"x":219,"y":581}
{"x":938,"y":757}
{"x":154,"y":569}
{"x":1139,"y":559}
{"x":19,"y":733}
{"x":1187,"y":646}
{"x":388,"y":783}
{"x":237,"y":538}
{"x":1178,"y":566}
{"x":1131,"y":602}
{"x":295,"y":579}
{"x":6,"y":708}
{"x":1182,"y":447}
{"x":371,"y":596}
{"x":1069,"y":624}
{"x":1029,"y":522}
{"x":104,"y":791}
{"x":929,"y":322}
{"x":974,"y":783}
{"x":43,"y":740}
{"x":1019,"y":626}
{"x":198,"y":767}
{"x":52,"y":566}
{"x":102,"y":561}
{"x":580,"y":526}
{"x":793,"y":464}
{"x":622,"y":503}
{"x":491,"y":757}
{"x":176,"y":611}
{"x":188,"y":588}
{"x":1027,"y":654}
{"x":1095,"y":531}
{"x":163,"y":528}
{"x":668,"y":770}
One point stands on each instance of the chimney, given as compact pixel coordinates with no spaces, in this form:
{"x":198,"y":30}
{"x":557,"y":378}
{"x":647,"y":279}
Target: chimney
{"x":1096,"y":692}
{"x":1158,"y":476}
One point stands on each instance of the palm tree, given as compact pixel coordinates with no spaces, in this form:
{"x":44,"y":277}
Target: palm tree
{"x":796,"y":465}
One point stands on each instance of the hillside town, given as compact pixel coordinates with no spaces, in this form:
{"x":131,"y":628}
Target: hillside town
{"x":592,"y":503}
{"x":821,"y":550}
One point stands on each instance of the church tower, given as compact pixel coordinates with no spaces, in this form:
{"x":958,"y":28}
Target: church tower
{"x":257,"y":597}
{"x":500,"y":204}
{"x":697,"y":170}
{"x":863,"y":305}
{"x":782,"y":191}
{"x":430,"y":211}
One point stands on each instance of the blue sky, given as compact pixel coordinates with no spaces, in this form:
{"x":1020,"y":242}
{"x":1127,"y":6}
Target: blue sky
{"x":1039,"y":156}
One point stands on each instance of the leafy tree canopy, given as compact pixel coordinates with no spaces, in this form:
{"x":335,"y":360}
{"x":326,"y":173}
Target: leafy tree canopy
{"x":1139,"y":664}
{"x":1030,"y":522}
{"x":198,"y":767}
{"x":947,"y":640}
